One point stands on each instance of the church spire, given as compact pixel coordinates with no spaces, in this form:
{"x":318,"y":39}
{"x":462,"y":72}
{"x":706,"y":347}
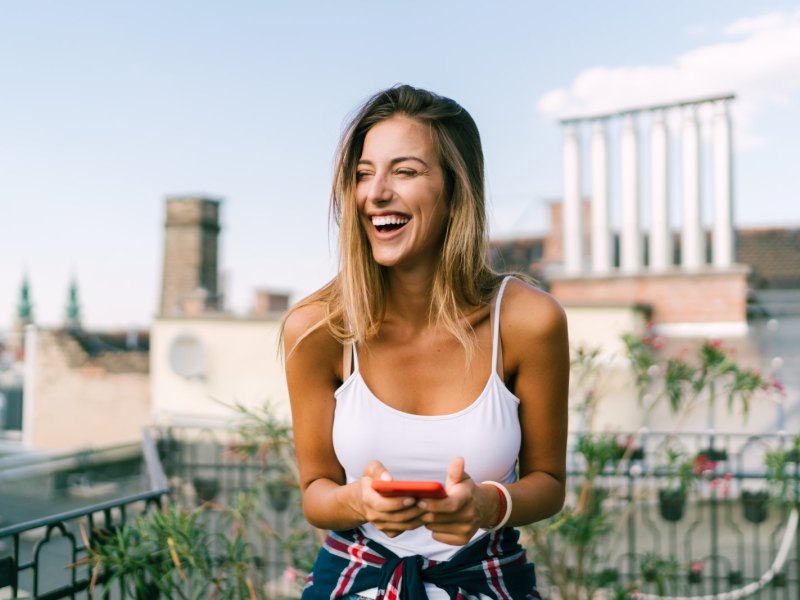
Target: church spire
{"x":25,"y":306}
{"x":73,"y":310}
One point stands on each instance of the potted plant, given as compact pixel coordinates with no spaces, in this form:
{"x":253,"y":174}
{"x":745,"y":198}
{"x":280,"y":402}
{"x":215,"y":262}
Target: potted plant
{"x":206,"y":488}
{"x":754,"y":505}
{"x":783,"y":473}
{"x":679,"y":473}
{"x":660,"y":571}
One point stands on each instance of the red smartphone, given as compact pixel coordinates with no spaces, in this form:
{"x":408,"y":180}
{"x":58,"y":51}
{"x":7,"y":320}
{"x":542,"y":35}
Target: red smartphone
{"x":416,"y":489}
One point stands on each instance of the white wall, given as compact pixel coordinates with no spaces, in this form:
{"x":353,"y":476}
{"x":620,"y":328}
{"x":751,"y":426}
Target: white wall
{"x":242,"y":366}
{"x":603,"y":326}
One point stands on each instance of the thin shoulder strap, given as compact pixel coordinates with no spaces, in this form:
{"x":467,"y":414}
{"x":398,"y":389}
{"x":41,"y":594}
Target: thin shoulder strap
{"x":349,"y":358}
{"x":497,"y":350}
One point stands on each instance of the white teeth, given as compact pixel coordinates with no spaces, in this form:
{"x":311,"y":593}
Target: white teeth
{"x":389,"y":220}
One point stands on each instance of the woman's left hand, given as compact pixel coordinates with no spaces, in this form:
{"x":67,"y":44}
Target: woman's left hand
{"x":467,"y":508}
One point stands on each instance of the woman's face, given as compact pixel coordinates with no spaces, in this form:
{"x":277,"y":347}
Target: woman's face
{"x":400,"y":193}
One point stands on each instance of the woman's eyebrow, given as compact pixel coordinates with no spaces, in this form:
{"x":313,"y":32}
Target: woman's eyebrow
{"x":394,"y":161}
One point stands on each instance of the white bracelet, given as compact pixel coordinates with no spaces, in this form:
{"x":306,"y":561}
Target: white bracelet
{"x":507,"y":494}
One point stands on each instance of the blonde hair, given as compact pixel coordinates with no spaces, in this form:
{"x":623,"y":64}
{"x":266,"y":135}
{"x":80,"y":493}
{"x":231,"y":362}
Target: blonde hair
{"x":355,"y":299}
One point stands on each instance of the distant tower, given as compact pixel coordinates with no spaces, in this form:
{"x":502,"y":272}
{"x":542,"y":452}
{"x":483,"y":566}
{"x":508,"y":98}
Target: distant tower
{"x":23,"y":318}
{"x":24,"y":306}
{"x":190,"y":254}
{"x":72,"y":314}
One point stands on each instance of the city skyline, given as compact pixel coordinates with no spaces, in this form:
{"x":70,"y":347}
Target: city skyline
{"x":111,"y":109}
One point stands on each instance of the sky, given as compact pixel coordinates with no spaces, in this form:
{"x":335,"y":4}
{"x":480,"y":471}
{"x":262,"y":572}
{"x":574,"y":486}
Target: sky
{"x":106,"y":108}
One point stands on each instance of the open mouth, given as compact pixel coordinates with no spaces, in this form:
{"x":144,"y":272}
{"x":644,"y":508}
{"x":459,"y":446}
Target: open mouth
{"x":386,"y":223}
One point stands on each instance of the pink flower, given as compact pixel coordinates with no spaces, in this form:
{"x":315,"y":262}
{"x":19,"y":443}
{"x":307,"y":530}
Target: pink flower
{"x":290,"y":574}
{"x":696,"y":566}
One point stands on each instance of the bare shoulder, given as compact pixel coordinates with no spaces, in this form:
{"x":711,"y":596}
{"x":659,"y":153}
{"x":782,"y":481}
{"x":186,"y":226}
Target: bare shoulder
{"x":530,"y":314}
{"x":307,"y":340}
{"x":301,"y":322}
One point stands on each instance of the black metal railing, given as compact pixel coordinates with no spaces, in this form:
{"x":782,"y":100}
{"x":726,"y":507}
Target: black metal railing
{"x":723,"y":534}
{"x":46,"y":555}
{"x":204,"y":466}
{"x":724,"y":537}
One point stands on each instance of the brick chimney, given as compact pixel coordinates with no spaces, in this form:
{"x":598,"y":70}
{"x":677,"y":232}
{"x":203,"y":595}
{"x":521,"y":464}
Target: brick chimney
{"x":191,"y":233}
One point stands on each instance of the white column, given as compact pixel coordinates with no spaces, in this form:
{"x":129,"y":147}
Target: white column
{"x":723,"y":236}
{"x":630,"y":243}
{"x":572,"y":215}
{"x":660,"y":232}
{"x":601,"y":228}
{"x":692,"y":238}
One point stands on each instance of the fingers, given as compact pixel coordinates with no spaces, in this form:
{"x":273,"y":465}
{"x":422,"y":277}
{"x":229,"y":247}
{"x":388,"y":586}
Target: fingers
{"x":375,"y":470}
{"x":392,"y":516}
{"x":455,"y":472}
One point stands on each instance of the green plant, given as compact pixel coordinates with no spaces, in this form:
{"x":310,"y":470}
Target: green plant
{"x":661,"y":571}
{"x":783,"y":473}
{"x":642,"y":354}
{"x":215,"y":550}
{"x":679,"y":469}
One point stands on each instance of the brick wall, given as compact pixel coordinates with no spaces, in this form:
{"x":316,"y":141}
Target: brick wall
{"x":705,"y":296}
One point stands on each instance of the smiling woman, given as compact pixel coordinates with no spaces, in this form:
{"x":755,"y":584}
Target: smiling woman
{"x":420,"y":367}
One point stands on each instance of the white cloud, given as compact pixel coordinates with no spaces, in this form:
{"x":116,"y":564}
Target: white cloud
{"x":761,"y":66}
{"x":747,"y":25}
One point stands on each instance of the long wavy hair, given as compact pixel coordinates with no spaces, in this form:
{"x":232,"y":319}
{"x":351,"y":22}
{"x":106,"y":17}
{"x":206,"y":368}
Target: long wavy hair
{"x":355,"y":300}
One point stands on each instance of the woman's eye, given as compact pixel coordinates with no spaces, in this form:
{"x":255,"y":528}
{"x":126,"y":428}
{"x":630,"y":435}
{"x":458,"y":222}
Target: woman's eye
{"x":406,"y":172}
{"x":361,"y":175}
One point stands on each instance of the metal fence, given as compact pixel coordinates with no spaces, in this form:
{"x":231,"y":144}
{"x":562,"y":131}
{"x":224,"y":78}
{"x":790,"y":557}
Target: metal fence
{"x":45,"y":555}
{"x":724,"y":537}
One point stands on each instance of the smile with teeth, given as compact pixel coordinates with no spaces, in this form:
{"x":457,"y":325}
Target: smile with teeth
{"x":389,"y":222}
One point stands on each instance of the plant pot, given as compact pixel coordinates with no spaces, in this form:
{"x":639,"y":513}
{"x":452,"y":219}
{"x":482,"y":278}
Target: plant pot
{"x":754,"y":506}
{"x":695,"y":577}
{"x":714,"y":454}
{"x":635,"y":453}
{"x":671,"y":504}
{"x":206,"y":488}
{"x":279,"y":494}
{"x":607,"y":577}
{"x":735,"y":578}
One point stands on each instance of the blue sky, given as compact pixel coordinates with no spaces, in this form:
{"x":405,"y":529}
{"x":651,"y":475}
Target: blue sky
{"x":108,"y":107}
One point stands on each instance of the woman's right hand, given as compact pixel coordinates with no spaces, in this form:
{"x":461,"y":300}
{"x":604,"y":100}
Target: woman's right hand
{"x":392,"y":516}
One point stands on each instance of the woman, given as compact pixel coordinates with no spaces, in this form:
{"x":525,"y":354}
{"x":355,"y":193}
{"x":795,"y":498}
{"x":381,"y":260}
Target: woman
{"x":419,"y":362}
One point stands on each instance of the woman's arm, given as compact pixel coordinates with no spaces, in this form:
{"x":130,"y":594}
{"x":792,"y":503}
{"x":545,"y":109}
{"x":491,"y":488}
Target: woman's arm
{"x":536,"y":354}
{"x":536,"y":365}
{"x":313,"y":372}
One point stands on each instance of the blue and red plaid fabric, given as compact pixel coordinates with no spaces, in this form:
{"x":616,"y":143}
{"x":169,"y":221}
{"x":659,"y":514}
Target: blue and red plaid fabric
{"x":494,"y":565}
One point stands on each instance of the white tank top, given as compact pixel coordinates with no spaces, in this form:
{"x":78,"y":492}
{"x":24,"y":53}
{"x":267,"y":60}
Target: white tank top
{"x":486,"y":433}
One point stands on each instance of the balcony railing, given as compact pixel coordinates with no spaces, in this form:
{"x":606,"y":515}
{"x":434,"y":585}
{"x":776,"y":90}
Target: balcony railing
{"x":723,"y":536}
{"x":41,"y":558}
{"x":717,"y":543}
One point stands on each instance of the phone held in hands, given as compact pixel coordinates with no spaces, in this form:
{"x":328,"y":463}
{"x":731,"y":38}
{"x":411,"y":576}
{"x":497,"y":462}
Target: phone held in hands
{"x":416,"y":489}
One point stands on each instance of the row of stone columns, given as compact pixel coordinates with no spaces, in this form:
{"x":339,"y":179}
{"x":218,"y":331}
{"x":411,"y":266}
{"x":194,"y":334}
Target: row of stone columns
{"x":630,"y":180}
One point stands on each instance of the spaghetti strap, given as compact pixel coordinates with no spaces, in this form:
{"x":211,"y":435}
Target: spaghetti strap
{"x":349,"y":360}
{"x":497,"y":351}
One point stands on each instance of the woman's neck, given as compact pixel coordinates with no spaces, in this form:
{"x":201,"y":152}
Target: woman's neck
{"x":408,"y":295}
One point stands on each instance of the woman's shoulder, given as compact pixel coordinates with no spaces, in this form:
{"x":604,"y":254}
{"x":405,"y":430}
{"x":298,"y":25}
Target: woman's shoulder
{"x":306,"y":330}
{"x":527,"y":311}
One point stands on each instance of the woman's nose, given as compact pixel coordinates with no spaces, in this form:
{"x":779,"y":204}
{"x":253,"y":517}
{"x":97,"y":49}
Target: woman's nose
{"x":379,"y":189}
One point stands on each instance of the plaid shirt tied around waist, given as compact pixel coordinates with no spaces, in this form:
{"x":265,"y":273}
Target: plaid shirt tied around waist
{"x":494,"y":565}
